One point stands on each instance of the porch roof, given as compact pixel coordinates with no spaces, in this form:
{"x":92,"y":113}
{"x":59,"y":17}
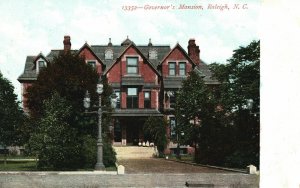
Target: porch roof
{"x":136,"y":112}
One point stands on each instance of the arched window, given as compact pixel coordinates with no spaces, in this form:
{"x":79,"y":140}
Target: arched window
{"x":152,"y":54}
{"x":109,"y":54}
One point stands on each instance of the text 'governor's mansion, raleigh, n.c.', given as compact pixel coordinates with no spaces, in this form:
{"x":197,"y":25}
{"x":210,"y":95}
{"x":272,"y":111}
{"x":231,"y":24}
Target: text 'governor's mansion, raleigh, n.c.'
{"x":144,"y":77}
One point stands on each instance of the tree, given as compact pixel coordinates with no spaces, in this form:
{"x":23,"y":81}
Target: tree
{"x":55,"y":141}
{"x":11,"y":115}
{"x":69,"y":76}
{"x":195,"y":112}
{"x":155,"y":127}
{"x":240,"y":80}
{"x":217,"y":119}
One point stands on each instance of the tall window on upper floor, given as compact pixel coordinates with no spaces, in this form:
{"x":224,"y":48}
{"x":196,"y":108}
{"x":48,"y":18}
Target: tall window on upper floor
{"x":172,"y":68}
{"x":147,"y":99}
{"x":132,"y":98}
{"x":182,"y":69}
{"x":132,"y":65}
{"x":92,"y":64}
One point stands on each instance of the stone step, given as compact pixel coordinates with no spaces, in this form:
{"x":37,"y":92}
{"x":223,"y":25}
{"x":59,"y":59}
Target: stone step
{"x":130,"y":152}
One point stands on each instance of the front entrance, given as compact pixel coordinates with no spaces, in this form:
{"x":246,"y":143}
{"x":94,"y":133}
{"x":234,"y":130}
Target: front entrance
{"x":132,"y":133}
{"x":128,"y":131}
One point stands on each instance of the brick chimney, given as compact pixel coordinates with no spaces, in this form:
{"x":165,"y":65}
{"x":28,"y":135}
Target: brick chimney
{"x":67,"y":43}
{"x":194,"y":51}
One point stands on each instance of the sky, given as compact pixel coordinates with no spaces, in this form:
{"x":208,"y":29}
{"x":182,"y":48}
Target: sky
{"x":31,"y":27}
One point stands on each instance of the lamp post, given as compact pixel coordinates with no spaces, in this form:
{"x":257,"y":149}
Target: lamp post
{"x":86,"y":103}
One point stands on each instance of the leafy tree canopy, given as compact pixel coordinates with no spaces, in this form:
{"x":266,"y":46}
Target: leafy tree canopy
{"x":240,"y":78}
{"x":11,"y":115}
{"x":156,"y":128}
{"x":240,"y":81}
{"x":69,"y":76}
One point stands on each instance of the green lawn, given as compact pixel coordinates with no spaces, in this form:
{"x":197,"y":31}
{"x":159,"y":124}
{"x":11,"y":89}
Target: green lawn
{"x":31,"y":166}
{"x":187,"y":158}
{"x":16,"y":157}
{"x":18,"y":166}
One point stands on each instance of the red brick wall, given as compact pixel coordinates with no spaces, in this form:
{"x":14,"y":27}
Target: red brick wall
{"x":25,"y":86}
{"x":87,"y":54}
{"x":154,"y":99}
{"x":123,"y":98}
{"x":141,"y":99}
{"x":175,"y":56}
{"x":118,"y":71}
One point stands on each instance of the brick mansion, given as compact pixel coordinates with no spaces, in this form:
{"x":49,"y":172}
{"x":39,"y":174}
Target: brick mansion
{"x":144,"y":77}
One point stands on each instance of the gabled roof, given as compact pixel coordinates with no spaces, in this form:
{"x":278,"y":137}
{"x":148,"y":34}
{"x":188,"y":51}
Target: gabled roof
{"x":91,"y":50}
{"x":182,"y":50}
{"x":29,"y":71}
{"x":40,"y":56}
{"x":136,"y":48}
{"x":126,"y":42}
{"x":203,"y":70}
{"x":163,"y":52}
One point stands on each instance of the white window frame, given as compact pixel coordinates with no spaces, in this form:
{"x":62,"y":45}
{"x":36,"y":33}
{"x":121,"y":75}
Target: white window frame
{"x":137,"y":65}
{"x":38,"y":64}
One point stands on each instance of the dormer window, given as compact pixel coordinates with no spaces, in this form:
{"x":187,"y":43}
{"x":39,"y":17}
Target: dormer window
{"x":152,"y":54}
{"x":41,"y":64}
{"x":109,"y":54}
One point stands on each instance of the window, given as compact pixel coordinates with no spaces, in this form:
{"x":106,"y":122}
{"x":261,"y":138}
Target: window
{"x":132,"y":65}
{"x":132,"y":98}
{"x":109,"y":54}
{"x":181,"y":69}
{"x":147,"y":99}
{"x":118,"y":99}
{"x":152,"y":54}
{"x":92,"y":64}
{"x":40,"y":65}
{"x":172,"y":68}
{"x":172,"y":98}
{"x":173,"y":128}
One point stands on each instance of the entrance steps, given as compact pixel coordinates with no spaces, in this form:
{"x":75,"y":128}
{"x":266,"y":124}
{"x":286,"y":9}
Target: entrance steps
{"x":134,"y":152}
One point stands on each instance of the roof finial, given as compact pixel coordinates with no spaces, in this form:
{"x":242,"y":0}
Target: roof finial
{"x":150,"y":43}
{"x":127,"y":36}
{"x":109,"y":43}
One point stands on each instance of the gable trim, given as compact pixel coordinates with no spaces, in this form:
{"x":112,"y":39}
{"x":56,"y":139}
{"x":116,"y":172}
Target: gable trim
{"x":182,"y":50}
{"x":145,"y":60}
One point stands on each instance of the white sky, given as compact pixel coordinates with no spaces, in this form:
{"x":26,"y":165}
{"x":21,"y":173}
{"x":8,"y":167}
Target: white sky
{"x":31,"y":27}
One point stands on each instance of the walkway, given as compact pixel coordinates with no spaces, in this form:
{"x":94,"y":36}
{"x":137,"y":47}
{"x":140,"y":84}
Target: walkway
{"x":139,"y":160}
